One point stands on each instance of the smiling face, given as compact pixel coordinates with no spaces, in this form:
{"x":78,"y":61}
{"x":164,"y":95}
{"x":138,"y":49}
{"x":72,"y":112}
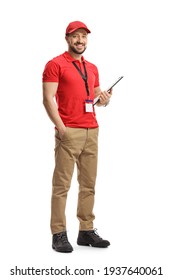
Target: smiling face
{"x":77,"y":41}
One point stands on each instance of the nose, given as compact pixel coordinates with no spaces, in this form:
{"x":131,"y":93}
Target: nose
{"x":79,"y":39}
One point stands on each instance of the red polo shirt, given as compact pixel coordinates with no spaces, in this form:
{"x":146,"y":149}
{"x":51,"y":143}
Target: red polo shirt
{"x":71,"y":93}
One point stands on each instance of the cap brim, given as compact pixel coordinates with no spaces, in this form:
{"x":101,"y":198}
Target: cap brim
{"x":73,"y":30}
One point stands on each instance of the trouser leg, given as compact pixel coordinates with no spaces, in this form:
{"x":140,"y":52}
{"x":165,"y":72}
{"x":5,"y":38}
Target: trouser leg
{"x":87,"y":171}
{"x":64,"y":166}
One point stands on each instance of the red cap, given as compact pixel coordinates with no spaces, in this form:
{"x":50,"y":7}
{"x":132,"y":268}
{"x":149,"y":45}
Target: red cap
{"x":73,"y":26}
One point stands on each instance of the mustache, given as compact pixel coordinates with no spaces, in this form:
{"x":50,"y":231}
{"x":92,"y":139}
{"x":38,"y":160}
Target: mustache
{"x":78,"y":43}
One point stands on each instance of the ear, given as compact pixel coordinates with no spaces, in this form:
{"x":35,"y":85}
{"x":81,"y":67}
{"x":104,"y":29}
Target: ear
{"x":66,"y":38}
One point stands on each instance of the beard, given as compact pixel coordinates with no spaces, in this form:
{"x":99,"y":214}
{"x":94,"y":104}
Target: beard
{"x":77,"y":51}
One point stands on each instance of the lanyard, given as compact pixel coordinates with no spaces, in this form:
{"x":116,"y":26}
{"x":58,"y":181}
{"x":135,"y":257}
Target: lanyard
{"x":84,"y":76}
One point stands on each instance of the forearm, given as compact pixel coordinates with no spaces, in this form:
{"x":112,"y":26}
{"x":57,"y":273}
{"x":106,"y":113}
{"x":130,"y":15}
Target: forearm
{"x":53,"y":114}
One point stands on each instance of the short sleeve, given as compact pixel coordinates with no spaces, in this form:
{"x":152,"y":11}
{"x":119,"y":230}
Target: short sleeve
{"x":51,"y":72}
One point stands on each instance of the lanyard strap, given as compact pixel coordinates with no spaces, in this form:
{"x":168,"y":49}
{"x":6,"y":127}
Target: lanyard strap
{"x":84,"y":76}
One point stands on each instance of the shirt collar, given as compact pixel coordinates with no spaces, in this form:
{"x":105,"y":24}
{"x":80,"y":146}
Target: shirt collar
{"x":69,"y":58}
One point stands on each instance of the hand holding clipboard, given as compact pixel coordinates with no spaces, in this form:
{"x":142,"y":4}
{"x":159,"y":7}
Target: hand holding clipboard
{"x":109,"y":89}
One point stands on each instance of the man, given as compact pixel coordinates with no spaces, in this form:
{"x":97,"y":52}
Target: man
{"x":74,"y":83}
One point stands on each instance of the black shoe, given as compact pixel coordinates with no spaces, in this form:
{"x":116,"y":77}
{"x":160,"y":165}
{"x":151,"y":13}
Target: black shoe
{"x":90,"y":237}
{"x":60,"y":243}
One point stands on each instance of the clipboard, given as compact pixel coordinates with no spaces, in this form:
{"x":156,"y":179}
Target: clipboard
{"x":108,"y":90}
{"x":116,"y":82}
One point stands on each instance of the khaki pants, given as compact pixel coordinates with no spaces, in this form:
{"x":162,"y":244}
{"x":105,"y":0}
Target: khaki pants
{"x":78,"y":145}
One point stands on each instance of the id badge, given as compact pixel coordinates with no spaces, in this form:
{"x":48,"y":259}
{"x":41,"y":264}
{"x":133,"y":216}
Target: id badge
{"x":88,"y":106}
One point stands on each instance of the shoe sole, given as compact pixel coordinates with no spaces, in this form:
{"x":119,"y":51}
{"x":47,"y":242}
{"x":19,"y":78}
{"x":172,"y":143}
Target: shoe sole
{"x":61,"y":250}
{"x":96,"y":246}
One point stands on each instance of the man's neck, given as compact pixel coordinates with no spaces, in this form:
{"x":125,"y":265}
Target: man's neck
{"x":75,"y":55}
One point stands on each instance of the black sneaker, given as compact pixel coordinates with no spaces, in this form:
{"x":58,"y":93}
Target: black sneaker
{"x":91,"y":237}
{"x":60,"y":243}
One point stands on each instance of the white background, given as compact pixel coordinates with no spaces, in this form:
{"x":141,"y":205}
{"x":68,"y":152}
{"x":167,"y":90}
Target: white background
{"x":133,"y":193}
